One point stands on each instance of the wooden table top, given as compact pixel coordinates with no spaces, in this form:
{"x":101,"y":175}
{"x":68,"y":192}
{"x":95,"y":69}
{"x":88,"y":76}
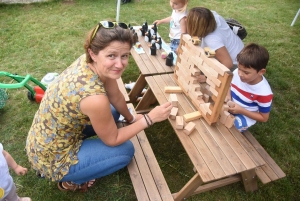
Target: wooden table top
{"x":215,"y":151}
{"x":149,"y":64}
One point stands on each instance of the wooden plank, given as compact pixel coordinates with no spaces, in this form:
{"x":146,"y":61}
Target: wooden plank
{"x":250,"y":181}
{"x":217,"y":184}
{"x":154,"y":59}
{"x":236,"y":147}
{"x":137,"y":181}
{"x":157,"y":174}
{"x":263,"y":177}
{"x":147,"y":100}
{"x":189,"y":188}
{"x":159,"y":180}
{"x":137,"y":89}
{"x":267,"y":158}
{"x":139,"y":62}
{"x":226,"y":148}
{"x":221,"y":96}
{"x":158,"y":83}
{"x":248,"y":147}
{"x":145,"y":170}
{"x":122,"y":89}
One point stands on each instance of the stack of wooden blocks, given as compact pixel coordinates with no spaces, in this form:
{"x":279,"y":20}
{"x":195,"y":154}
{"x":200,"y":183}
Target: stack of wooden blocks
{"x":204,"y":80}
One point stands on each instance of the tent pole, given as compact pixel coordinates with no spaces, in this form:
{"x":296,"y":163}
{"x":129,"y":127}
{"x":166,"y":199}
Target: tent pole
{"x":118,"y":10}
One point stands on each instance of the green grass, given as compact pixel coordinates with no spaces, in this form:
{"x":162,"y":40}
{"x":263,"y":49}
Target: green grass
{"x":40,"y":38}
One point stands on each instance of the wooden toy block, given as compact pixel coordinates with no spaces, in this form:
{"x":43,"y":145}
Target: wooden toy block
{"x":188,"y":129}
{"x":210,"y":83}
{"x":193,"y":80}
{"x":173,"y":89}
{"x":173,"y":99}
{"x":205,"y":108}
{"x":198,"y":95}
{"x":173,"y":113}
{"x":196,"y":87}
{"x":206,"y":98}
{"x":201,"y":78}
{"x":195,"y":67}
{"x":229,"y":121}
{"x":179,"y":122}
{"x":196,"y":40}
{"x":192,"y":116}
{"x":230,"y":104}
{"x":195,"y":71}
{"x":209,"y":52}
{"x":213,"y":91}
{"x":224,"y":116}
{"x":225,"y":107}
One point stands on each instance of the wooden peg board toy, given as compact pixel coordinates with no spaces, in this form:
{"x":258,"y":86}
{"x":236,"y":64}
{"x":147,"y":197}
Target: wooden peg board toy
{"x":192,"y":62}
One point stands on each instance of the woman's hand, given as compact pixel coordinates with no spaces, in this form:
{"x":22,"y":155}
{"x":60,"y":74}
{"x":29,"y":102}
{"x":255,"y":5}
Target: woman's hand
{"x":160,"y":113}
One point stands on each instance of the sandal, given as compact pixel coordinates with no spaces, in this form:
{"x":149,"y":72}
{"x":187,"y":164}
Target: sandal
{"x":70,"y":186}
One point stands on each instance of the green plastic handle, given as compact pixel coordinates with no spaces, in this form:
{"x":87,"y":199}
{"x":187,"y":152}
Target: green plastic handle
{"x":15,"y":85}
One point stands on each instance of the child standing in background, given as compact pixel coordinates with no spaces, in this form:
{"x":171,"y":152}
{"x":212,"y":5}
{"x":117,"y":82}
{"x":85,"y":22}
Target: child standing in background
{"x":7,"y":186}
{"x":177,"y":22}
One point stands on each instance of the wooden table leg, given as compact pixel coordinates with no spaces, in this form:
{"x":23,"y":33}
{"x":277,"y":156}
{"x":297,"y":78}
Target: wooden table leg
{"x":137,"y":88}
{"x":250,"y":180}
{"x":147,"y":100}
{"x":189,"y":188}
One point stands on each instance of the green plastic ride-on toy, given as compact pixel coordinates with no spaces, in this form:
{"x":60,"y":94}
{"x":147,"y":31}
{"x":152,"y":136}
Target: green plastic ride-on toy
{"x":35,"y":93}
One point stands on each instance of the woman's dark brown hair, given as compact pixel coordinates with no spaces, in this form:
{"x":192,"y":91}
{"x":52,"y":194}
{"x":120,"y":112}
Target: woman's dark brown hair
{"x":104,"y":37}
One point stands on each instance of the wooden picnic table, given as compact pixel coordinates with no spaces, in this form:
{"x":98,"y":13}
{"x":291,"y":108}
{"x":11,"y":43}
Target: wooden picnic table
{"x":148,"y":65}
{"x":220,"y":156}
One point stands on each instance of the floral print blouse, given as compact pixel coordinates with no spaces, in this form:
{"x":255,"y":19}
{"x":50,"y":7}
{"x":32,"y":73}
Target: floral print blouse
{"x":55,"y":135}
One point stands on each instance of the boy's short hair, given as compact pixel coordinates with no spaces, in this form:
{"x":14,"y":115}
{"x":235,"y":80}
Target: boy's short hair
{"x":253,"y":56}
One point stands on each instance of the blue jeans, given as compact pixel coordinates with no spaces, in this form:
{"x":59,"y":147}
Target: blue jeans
{"x":96,"y":159}
{"x":174,"y":44}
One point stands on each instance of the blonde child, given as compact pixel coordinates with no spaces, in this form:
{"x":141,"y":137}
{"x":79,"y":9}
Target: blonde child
{"x":7,"y":186}
{"x":177,"y":22}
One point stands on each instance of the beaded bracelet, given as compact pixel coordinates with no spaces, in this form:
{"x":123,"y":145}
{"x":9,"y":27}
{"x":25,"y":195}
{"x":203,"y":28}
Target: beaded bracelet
{"x":151,"y":122}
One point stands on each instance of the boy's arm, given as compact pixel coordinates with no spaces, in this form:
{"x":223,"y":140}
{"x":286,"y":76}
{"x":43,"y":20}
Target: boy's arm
{"x":258,"y":116}
{"x":13,"y":165}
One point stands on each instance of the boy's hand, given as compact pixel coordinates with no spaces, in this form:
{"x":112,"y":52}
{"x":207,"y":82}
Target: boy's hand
{"x":235,"y":108}
{"x":19,"y":170}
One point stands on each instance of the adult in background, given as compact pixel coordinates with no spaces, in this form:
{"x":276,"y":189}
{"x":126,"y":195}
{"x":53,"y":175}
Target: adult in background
{"x":215,"y":33}
{"x":84,"y":100}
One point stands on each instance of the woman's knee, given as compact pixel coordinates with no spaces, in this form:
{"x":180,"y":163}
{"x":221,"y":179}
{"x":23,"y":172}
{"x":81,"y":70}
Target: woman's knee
{"x":128,"y":148}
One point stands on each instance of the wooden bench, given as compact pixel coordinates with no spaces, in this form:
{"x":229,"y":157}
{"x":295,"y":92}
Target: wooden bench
{"x":145,"y":173}
{"x":270,"y":171}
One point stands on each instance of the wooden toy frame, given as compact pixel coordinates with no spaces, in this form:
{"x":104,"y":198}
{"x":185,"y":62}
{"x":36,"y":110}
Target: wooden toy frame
{"x":191,"y":65}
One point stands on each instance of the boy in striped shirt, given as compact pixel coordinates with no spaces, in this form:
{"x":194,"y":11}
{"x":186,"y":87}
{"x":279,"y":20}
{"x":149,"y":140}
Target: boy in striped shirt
{"x":249,"y":90}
